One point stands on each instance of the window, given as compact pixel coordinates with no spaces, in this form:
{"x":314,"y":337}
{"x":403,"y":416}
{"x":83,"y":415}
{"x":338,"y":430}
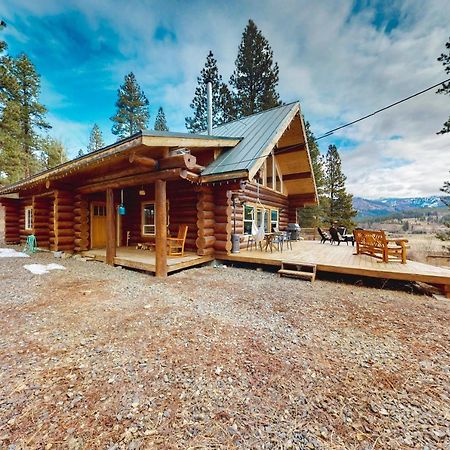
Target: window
{"x":271,"y":217}
{"x":29,"y":218}
{"x":99,"y":210}
{"x":148,"y":218}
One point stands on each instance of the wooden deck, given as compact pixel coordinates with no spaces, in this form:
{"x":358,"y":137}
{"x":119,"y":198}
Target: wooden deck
{"x":145,"y":259}
{"x":340,"y":259}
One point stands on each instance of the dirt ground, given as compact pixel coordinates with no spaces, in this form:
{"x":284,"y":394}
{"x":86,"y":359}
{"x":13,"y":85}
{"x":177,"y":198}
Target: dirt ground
{"x":96,"y":357}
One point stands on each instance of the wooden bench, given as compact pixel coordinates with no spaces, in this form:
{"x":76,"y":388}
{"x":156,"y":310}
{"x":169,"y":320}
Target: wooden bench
{"x":375,"y":243}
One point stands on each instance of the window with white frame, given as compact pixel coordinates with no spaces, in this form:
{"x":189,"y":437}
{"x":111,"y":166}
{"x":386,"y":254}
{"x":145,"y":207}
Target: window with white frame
{"x":148,"y":218}
{"x":256,"y":212}
{"x":28,"y":218}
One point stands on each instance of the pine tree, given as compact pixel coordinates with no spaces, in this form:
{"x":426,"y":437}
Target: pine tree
{"x":160,"y":121}
{"x":22,"y":116}
{"x":222,"y":103}
{"x":80,"y":153}
{"x":132,"y":109}
{"x":3,"y":45}
{"x":445,"y":89}
{"x":95,"y":139}
{"x":338,"y":203}
{"x":256,"y":76}
{"x":53,"y":152}
{"x":445,"y":235}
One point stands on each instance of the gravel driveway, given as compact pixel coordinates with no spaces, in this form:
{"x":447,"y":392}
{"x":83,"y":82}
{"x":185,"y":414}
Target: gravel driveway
{"x":101,"y":357}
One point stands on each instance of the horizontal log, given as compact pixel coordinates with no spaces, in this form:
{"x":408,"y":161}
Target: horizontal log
{"x":206,"y":251}
{"x":223,"y":245}
{"x":221,"y":210}
{"x":205,"y":242}
{"x":81,"y":242}
{"x":67,"y":232}
{"x":145,"y":161}
{"x":186,"y":161}
{"x":202,"y":232}
{"x":205,"y":223}
{"x":222,"y":219}
{"x":206,"y":197}
{"x":64,"y":216}
{"x":61,"y":240}
{"x":222,"y":228}
{"x":81,"y":227}
{"x":64,"y":224}
{"x":205,"y":205}
{"x":205,"y":214}
{"x":133,"y":180}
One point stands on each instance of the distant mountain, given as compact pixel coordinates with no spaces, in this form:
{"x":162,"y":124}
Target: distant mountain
{"x":388,"y":206}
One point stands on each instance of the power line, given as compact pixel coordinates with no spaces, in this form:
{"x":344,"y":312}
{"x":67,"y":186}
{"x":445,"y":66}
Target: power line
{"x":329,"y":133}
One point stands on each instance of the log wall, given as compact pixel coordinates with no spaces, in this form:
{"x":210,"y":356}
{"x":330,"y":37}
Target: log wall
{"x":81,"y":223}
{"x":12,"y":228}
{"x":266,"y":197}
{"x":205,"y":221}
{"x":64,"y":233}
{"x":41,"y":224}
{"x":182,"y":199}
{"x":222,"y":215}
{"x":25,"y":202}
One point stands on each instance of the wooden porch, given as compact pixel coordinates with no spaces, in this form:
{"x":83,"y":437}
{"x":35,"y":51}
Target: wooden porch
{"x":146,"y":259}
{"x":340,"y":259}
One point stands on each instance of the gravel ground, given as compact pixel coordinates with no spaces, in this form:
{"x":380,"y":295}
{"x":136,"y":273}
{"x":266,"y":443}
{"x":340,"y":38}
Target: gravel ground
{"x":101,"y":357}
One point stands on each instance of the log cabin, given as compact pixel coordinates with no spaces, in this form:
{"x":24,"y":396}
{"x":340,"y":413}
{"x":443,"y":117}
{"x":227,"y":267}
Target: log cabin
{"x":142,"y":188}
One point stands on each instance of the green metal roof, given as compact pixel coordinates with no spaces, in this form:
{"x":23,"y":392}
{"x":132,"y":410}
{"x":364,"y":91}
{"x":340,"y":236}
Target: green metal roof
{"x":259,"y":133}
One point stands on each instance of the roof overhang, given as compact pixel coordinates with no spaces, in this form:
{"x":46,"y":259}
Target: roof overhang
{"x":141,"y":140}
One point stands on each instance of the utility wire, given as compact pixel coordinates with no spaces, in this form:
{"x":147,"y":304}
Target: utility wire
{"x":329,"y":133}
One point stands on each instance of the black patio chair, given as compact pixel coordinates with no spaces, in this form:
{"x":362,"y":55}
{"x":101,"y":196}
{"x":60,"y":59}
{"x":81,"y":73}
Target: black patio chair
{"x":336,"y":237}
{"x":324,"y":236}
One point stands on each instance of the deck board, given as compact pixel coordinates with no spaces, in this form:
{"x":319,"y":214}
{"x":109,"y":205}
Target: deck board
{"x":340,"y":259}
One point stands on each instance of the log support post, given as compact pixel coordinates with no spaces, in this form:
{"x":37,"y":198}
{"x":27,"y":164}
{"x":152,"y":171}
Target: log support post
{"x":110,"y":227}
{"x":161,"y":228}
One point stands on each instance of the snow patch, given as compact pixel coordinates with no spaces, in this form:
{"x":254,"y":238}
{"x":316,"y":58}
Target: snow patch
{"x":39,"y":269}
{"x":11,"y":253}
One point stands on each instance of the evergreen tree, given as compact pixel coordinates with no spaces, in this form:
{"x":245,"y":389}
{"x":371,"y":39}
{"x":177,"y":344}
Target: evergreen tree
{"x":222,"y":102}
{"x":338,"y":203}
{"x":160,"y":121}
{"x":53,"y":152}
{"x":132,"y":109}
{"x":80,"y":153}
{"x":95,"y":139}
{"x":445,"y":89}
{"x":445,"y":235}
{"x":22,"y":116}
{"x":256,"y":76}
{"x":3,"y":45}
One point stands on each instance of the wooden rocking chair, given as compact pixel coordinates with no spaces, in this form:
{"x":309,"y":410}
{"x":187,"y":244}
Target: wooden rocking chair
{"x":175,"y":246}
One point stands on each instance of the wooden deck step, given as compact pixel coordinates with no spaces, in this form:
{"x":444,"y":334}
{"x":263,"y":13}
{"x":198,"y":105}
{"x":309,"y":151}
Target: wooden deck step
{"x":305,"y":271}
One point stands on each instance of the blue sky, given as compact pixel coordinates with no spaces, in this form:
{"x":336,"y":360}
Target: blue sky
{"x":341,"y":59}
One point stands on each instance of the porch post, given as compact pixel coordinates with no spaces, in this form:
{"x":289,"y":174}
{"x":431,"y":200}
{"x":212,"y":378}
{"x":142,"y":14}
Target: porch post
{"x":161,"y":229}
{"x":110,"y":227}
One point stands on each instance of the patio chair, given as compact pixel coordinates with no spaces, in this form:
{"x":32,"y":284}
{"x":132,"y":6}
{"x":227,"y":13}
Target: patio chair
{"x":324,"y":236}
{"x":175,"y":246}
{"x":336,"y":237}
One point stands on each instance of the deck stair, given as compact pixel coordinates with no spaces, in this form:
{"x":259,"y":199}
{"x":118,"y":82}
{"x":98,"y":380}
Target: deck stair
{"x":305,"y":271}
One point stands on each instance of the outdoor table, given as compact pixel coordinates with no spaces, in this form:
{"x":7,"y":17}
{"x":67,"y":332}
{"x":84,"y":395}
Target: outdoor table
{"x":269,"y":240}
